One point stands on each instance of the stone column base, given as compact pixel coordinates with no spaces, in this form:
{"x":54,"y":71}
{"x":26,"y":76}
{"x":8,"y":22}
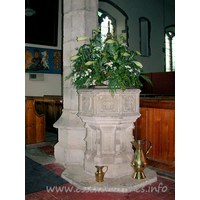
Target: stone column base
{"x":75,"y":175}
{"x":118,"y":166}
{"x":71,"y":145}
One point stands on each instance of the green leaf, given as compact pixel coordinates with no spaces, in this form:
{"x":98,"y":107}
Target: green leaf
{"x":104,"y":59}
{"x":69,"y":76}
{"x":139,"y":64}
{"x":90,"y":62}
{"x":144,"y":72}
{"x":74,"y":57}
{"x":115,"y":57}
{"x":125,"y":54}
{"x":146,"y":78}
{"x":97,"y":30}
{"x":121,"y":35}
{"x":110,"y":41}
{"x":138,"y":53}
{"x":82,"y":38}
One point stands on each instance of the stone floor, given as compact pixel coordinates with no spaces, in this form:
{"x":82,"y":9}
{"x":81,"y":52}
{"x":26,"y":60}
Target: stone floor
{"x":163,"y":188}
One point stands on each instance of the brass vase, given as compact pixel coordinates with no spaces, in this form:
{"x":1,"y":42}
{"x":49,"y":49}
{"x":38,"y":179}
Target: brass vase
{"x":99,"y":174}
{"x":139,"y":160}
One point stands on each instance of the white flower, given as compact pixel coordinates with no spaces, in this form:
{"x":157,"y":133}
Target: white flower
{"x":110,"y":64}
{"x":76,"y":75}
{"x":127,"y":67}
{"x":97,"y":48}
{"x":130,"y":70}
{"x":125,"y":45}
{"x":87,"y":72}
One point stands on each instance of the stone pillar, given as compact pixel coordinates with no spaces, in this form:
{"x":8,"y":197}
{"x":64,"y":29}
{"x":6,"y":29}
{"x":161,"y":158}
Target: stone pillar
{"x":79,"y":18}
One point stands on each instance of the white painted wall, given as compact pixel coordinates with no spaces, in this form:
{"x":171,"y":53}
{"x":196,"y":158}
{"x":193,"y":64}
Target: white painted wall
{"x":50,"y":86}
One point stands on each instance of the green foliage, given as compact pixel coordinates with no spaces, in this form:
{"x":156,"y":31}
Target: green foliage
{"x":113,"y":64}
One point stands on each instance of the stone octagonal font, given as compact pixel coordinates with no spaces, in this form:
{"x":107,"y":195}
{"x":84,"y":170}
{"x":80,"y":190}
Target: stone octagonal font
{"x":109,"y":124}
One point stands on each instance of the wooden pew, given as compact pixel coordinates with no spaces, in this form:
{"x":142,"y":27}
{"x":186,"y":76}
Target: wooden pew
{"x":157,"y":124}
{"x":34,"y":123}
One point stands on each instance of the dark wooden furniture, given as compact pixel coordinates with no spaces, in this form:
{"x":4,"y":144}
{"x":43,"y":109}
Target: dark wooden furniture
{"x":157,"y":124}
{"x":52,"y":107}
{"x":163,"y":83}
{"x":34,"y":123}
{"x":40,"y":115}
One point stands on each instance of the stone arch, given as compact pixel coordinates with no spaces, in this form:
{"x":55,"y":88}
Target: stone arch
{"x":116,"y":12}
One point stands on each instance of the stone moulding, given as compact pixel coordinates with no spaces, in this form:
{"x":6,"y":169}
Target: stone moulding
{"x":109,"y":124}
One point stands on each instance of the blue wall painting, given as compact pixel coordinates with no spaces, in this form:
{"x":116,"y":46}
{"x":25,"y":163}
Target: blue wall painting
{"x":40,"y":60}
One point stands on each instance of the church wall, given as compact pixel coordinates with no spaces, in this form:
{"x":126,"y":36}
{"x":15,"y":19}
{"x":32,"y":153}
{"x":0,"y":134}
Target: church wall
{"x":52,"y":83}
{"x":50,"y":86}
{"x":154,"y":10}
{"x":120,"y":19}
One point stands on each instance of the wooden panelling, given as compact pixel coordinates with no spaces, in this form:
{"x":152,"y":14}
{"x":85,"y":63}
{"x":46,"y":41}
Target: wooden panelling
{"x":166,"y":78}
{"x":168,"y":83}
{"x":40,"y":115}
{"x":150,"y":129}
{"x":157,"y":124}
{"x":52,"y":108}
{"x":164,"y":134}
{"x":34,"y":124}
{"x":171,"y":137}
{"x":158,"y":102}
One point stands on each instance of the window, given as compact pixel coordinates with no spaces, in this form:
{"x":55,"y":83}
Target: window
{"x":104,"y":18}
{"x":169,"y":51}
{"x":118,"y":17}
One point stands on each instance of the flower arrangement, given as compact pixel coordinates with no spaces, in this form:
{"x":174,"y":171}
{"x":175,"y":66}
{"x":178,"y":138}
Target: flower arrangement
{"x":112,"y":64}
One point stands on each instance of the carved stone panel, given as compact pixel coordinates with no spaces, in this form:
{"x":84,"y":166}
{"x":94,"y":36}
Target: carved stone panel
{"x":129,"y":103}
{"x":107,"y":104}
{"x":87,"y":103}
